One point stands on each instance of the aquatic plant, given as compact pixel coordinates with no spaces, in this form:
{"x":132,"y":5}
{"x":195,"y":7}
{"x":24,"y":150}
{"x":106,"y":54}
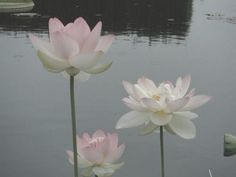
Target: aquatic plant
{"x":98,"y":154}
{"x":163,"y":107}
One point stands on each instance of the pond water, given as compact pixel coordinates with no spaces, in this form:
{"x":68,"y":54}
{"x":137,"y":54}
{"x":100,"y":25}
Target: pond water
{"x":157,"y":39}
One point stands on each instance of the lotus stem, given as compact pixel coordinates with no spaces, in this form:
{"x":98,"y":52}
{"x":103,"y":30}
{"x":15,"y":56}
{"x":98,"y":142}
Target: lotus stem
{"x":162,"y":152}
{"x":73,"y":116}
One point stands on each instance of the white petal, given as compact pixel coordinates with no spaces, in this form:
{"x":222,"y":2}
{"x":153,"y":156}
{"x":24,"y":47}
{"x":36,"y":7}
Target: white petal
{"x":151,"y":104}
{"x":139,"y":92}
{"x":186,"y":114}
{"x":176,"y":105}
{"x":132,"y":119}
{"x":133,"y":104}
{"x":195,"y":102}
{"x":39,"y":44}
{"x":149,"y":128}
{"x":103,"y":172}
{"x":178,"y":85}
{"x":87,"y":172}
{"x":130,"y":89}
{"x":113,"y":166}
{"x":99,"y":68}
{"x":169,"y":130}
{"x":147,"y":84}
{"x":185,"y":85}
{"x":82,"y":163}
{"x":191,"y":93}
{"x":86,"y":61}
{"x":82,"y":76}
{"x":183,"y":127}
{"x":160,"y":118}
{"x":51,"y":63}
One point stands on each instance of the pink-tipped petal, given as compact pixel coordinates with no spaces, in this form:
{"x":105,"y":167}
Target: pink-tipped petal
{"x":115,"y":154}
{"x":64,"y":46}
{"x":79,"y":30}
{"x":176,"y":105}
{"x":183,"y":127}
{"x":86,"y":137}
{"x":92,"y":154}
{"x":113,"y":140}
{"x":104,"y":43}
{"x":132,"y":119}
{"x":93,"y":38}
{"x":195,"y":102}
{"x":99,"y":133}
{"x":54,"y":25}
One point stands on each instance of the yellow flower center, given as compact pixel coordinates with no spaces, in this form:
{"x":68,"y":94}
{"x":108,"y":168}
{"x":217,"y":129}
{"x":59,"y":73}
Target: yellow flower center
{"x":161,"y":113}
{"x":156,"y":97}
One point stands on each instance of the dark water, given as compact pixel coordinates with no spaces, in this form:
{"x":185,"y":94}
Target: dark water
{"x":158,"y":39}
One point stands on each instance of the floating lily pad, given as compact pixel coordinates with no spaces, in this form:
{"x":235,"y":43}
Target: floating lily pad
{"x":7,"y":6}
{"x":229,"y":145}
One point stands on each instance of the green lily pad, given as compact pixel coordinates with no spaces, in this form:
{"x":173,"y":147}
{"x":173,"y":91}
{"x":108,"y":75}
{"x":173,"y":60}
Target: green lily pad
{"x":229,"y":145}
{"x":7,"y":6}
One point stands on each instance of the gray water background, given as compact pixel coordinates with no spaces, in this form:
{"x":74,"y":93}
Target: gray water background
{"x":157,"y":42}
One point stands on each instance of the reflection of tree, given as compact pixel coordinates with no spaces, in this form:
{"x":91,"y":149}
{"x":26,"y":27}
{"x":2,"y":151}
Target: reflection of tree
{"x":156,"y":19}
{"x":153,"y":18}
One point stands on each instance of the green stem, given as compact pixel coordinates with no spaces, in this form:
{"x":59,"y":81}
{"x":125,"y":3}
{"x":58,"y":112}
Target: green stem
{"x":73,"y":116}
{"x":162,"y":152}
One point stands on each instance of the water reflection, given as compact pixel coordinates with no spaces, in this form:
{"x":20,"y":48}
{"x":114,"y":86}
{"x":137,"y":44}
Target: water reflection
{"x":167,"y":21}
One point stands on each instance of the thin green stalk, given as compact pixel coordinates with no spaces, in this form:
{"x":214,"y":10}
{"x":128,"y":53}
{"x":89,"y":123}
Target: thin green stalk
{"x":162,"y":152}
{"x":73,"y":116}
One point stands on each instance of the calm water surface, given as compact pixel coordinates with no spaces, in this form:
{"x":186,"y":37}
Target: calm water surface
{"x":156,"y":39}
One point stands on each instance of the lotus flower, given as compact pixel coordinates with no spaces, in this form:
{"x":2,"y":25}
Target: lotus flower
{"x":73,"y":48}
{"x":164,"y":105}
{"x":98,"y":154}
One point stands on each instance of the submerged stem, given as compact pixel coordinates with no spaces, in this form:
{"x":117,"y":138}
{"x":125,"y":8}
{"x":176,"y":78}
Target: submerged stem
{"x":162,"y":152}
{"x":73,"y":116}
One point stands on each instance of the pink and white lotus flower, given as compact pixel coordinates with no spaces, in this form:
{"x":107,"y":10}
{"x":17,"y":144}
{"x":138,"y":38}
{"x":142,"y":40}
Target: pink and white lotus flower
{"x":164,"y":105}
{"x":98,"y":154}
{"x":73,"y":48}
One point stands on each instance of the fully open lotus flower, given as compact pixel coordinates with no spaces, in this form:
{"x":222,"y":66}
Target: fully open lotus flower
{"x":98,"y":154}
{"x":164,"y":105}
{"x":73,"y":48}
